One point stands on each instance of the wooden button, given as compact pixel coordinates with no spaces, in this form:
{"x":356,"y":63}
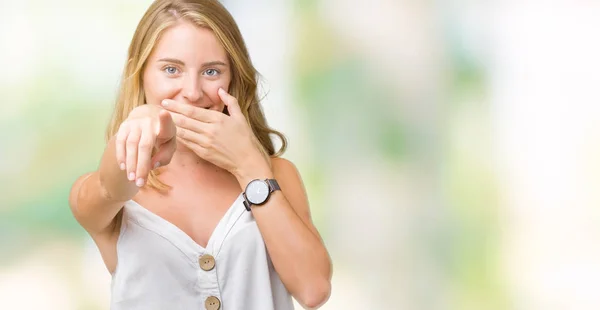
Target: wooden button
{"x":212,"y":303}
{"x":207,"y":262}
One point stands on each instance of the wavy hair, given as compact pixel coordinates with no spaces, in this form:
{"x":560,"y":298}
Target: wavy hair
{"x":209,"y":14}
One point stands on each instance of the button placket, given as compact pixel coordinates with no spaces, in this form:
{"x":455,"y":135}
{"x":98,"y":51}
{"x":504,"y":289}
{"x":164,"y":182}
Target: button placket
{"x":207,"y":281}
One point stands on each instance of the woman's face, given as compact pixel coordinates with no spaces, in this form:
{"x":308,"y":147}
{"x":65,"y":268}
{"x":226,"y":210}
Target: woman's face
{"x":188,"y":64}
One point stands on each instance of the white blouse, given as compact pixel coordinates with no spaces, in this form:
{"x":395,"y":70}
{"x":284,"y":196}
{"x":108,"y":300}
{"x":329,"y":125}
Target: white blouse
{"x":162,"y":268}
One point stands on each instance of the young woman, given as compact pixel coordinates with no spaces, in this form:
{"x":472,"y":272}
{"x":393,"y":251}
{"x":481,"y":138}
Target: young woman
{"x":191,"y":206}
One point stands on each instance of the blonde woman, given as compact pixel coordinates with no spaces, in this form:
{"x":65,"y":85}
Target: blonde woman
{"x":191,"y":206}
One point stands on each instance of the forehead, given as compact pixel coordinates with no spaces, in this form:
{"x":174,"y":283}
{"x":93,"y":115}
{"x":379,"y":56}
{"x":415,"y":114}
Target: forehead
{"x":190,"y":43}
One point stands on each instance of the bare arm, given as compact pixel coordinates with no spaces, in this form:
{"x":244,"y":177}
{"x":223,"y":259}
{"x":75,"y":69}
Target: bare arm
{"x":96,"y":198}
{"x":293,"y":242}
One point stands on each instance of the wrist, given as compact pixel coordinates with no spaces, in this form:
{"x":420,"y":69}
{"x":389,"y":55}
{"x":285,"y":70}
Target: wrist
{"x":254,"y":170}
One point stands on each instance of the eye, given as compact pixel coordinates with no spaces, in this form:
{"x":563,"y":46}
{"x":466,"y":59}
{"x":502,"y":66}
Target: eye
{"x":170,"y":70}
{"x":212,"y":72}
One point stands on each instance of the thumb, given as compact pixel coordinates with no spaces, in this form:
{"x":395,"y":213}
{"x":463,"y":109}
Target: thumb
{"x":164,"y":154}
{"x":231,"y":102}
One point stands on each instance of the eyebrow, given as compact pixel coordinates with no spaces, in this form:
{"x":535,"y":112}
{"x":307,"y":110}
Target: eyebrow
{"x":206,"y":64}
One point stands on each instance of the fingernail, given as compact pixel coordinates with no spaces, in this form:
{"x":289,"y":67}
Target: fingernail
{"x":164,"y":103}
{"x":156,"y":165}
{"x":131,"y":176}
{"x":122,"y":166}
{"x":139,"y":182}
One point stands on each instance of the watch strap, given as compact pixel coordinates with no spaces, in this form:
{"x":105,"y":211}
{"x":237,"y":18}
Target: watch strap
{"x":246,"y":202}
{"x":273,"y":186}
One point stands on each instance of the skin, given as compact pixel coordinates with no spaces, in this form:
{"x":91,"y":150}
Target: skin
{"x":208,"y":157}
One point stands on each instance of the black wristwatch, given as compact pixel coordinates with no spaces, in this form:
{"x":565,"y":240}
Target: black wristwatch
{"x":258,"y":192}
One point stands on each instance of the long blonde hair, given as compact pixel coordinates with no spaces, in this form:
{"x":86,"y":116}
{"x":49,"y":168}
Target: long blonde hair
{"x":209,"y":14}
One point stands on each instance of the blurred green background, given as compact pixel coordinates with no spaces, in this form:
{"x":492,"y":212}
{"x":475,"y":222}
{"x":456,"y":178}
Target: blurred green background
{"x":449,"y":148}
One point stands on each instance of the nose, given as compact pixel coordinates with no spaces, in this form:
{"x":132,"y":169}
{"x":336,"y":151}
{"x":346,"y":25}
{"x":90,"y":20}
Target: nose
{"x":192,"y":90}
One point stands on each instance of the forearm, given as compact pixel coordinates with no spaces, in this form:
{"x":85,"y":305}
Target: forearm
{"x":97,"y":197}
{"x":297,"y":253}
{"x":112,"y":179}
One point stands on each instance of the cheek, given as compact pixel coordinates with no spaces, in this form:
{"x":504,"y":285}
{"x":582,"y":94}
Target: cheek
{"x":211,"y":89}
{"x":157,"y":88}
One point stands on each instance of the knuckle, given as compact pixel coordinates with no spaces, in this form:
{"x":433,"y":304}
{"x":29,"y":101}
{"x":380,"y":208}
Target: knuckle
{"x":121,"y":135}
{"x":189,"y":110}
{"x":210,"y":139}
{"x":145,"y":145}
{"x":132,"y":141}
{"x":146,"y":122}
{"x":207,"y":143}
{"x":124,"y":125}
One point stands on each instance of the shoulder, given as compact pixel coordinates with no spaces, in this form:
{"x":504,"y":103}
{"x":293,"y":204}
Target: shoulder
{"x":283,"y":167}
{"x":287,"y":175}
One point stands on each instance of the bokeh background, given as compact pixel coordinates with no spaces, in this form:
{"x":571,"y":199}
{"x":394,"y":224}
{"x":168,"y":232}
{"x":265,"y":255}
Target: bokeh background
{"x":450,"y":149}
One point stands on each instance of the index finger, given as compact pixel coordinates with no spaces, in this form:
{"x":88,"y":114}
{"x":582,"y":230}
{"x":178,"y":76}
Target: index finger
{"x":199,"y":114}
{"x":166,"y":126}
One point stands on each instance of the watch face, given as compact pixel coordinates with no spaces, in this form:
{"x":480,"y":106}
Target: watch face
{"x":257,"y":192}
